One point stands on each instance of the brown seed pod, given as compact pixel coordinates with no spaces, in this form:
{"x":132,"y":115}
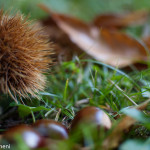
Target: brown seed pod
{"x":51,"y":129}
{"x":24,"y":56}
{"x":29,"y":136}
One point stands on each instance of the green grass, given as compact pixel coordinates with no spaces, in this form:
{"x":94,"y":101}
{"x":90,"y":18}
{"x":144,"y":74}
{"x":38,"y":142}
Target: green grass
{"x":76,"y":80}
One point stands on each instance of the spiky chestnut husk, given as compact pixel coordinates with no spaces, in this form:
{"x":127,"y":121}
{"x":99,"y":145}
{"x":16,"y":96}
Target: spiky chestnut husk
{"x":24,"y":56}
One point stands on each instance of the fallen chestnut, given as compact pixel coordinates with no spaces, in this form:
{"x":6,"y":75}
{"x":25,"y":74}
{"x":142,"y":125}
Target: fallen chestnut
{"x":51,"y":129}
{"x":89,"y":125}
{"x":91,"y":116}
{"x":29,"y":136}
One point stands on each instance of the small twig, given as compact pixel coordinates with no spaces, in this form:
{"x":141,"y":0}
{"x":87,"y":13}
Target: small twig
{"x":50,"y":111}
{"x":113,"y":83}
{"x":63,"y":120}
{"x":58,"y":114}
{"x":83,"y":101}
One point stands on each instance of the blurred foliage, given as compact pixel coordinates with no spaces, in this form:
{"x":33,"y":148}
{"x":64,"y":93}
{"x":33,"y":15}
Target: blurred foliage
{"x":84,"y":9}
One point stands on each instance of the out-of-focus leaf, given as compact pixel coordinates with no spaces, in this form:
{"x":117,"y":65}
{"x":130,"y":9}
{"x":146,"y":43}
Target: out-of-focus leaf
{"x":135,"y":144}
{"x":121,"y":48}
{"x":118,"y":21}
{"x":136,"y":114}
{"x":112,"y":47}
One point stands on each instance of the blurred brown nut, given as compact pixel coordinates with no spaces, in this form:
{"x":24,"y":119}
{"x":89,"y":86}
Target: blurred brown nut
{"x":51,"y":129}
{"x":91,"y":116}
{"x":31,"y":138}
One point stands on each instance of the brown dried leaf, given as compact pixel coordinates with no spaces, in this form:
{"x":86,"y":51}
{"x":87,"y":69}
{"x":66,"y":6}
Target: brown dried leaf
{"x":121,"y":50}
{"x":111,"y":47}
{"x":120,"y":21}
{"x":113,"y":140}
{"x":122,"y":47}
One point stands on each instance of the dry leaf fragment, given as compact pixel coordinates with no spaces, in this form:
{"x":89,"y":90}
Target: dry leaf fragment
{"x":113,"y":140}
